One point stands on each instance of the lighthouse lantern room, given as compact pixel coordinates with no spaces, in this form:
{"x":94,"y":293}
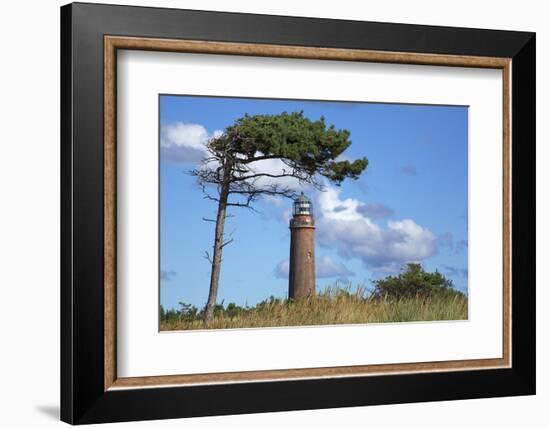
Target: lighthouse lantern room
{"x":302,"y":205}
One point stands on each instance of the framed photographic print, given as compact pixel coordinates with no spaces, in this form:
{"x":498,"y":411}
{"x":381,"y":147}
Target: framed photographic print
{"x":266,"y":213}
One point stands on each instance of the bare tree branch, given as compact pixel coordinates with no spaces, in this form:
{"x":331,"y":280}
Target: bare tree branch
{"x":259,"y":158}
{"x":229,"y":241}
{"x":265,"y":174}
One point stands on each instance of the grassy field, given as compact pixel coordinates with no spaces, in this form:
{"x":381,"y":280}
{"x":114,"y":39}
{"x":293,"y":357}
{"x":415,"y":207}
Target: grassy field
{"x":332,"y":306}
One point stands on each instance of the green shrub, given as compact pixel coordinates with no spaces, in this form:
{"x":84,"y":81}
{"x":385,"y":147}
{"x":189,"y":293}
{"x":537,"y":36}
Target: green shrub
{"x":414,"y":281}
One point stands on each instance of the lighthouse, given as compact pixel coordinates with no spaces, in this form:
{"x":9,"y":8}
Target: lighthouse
{"x":301,"y":278}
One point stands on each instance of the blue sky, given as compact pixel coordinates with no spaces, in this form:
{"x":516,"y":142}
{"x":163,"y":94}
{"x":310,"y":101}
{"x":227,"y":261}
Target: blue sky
{"x":409,"y":206}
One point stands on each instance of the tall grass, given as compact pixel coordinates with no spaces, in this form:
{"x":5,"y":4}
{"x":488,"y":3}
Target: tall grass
{"x":335,"y":306}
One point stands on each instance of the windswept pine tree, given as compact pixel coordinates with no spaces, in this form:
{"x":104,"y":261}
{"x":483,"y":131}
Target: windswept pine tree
{"x":233,"y":172}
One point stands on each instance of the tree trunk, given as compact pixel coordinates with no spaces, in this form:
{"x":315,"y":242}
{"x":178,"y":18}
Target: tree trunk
{"x":218,"y":247}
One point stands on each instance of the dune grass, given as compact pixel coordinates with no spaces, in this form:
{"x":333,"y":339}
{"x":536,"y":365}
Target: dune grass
{"x":333,"y":306}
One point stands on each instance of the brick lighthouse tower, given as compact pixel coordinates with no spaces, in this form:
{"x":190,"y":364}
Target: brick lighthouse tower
{"x":301,"y":278}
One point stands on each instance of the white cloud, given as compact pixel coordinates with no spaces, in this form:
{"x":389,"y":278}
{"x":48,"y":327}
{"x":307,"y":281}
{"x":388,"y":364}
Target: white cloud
{"x":182,"y":142}
{"x":376,"y":210}
{"x":277,"y":201}
{"x":277,"y":208}
{"x":275,"y":167}
{"x":326,"y":267}
{"x":282,"y":269}
{"x":286,"y":215}
{"x":342,"y":224}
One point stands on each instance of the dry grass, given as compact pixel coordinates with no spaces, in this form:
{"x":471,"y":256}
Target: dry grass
{"x":336,"y":306}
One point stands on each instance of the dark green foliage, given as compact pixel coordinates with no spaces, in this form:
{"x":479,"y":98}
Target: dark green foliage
{"x":169,"y":315}
{"x":233,"y":310}
{"x":309,"y":147}
{"x":189,"y":312}
{"x":414,"y":281}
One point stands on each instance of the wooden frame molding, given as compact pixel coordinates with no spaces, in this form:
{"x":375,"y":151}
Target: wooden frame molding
{"x":113,"y":43}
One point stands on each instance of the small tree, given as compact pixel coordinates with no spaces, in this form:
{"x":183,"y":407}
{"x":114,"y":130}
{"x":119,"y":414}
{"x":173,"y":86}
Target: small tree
{"x":414,"y":282}
{"x":232,"y":174}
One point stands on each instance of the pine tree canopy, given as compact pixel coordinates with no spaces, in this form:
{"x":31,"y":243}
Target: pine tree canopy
{"x":305,"y":146}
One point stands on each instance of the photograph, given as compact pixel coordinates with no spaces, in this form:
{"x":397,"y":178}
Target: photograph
{"x":263,"y":211}
{"x":288,"y":212}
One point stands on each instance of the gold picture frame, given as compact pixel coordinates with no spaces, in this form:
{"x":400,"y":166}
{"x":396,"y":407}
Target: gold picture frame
{"x":114,"y":43}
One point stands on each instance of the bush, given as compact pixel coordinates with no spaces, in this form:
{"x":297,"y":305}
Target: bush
{"x":414,"y":282}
